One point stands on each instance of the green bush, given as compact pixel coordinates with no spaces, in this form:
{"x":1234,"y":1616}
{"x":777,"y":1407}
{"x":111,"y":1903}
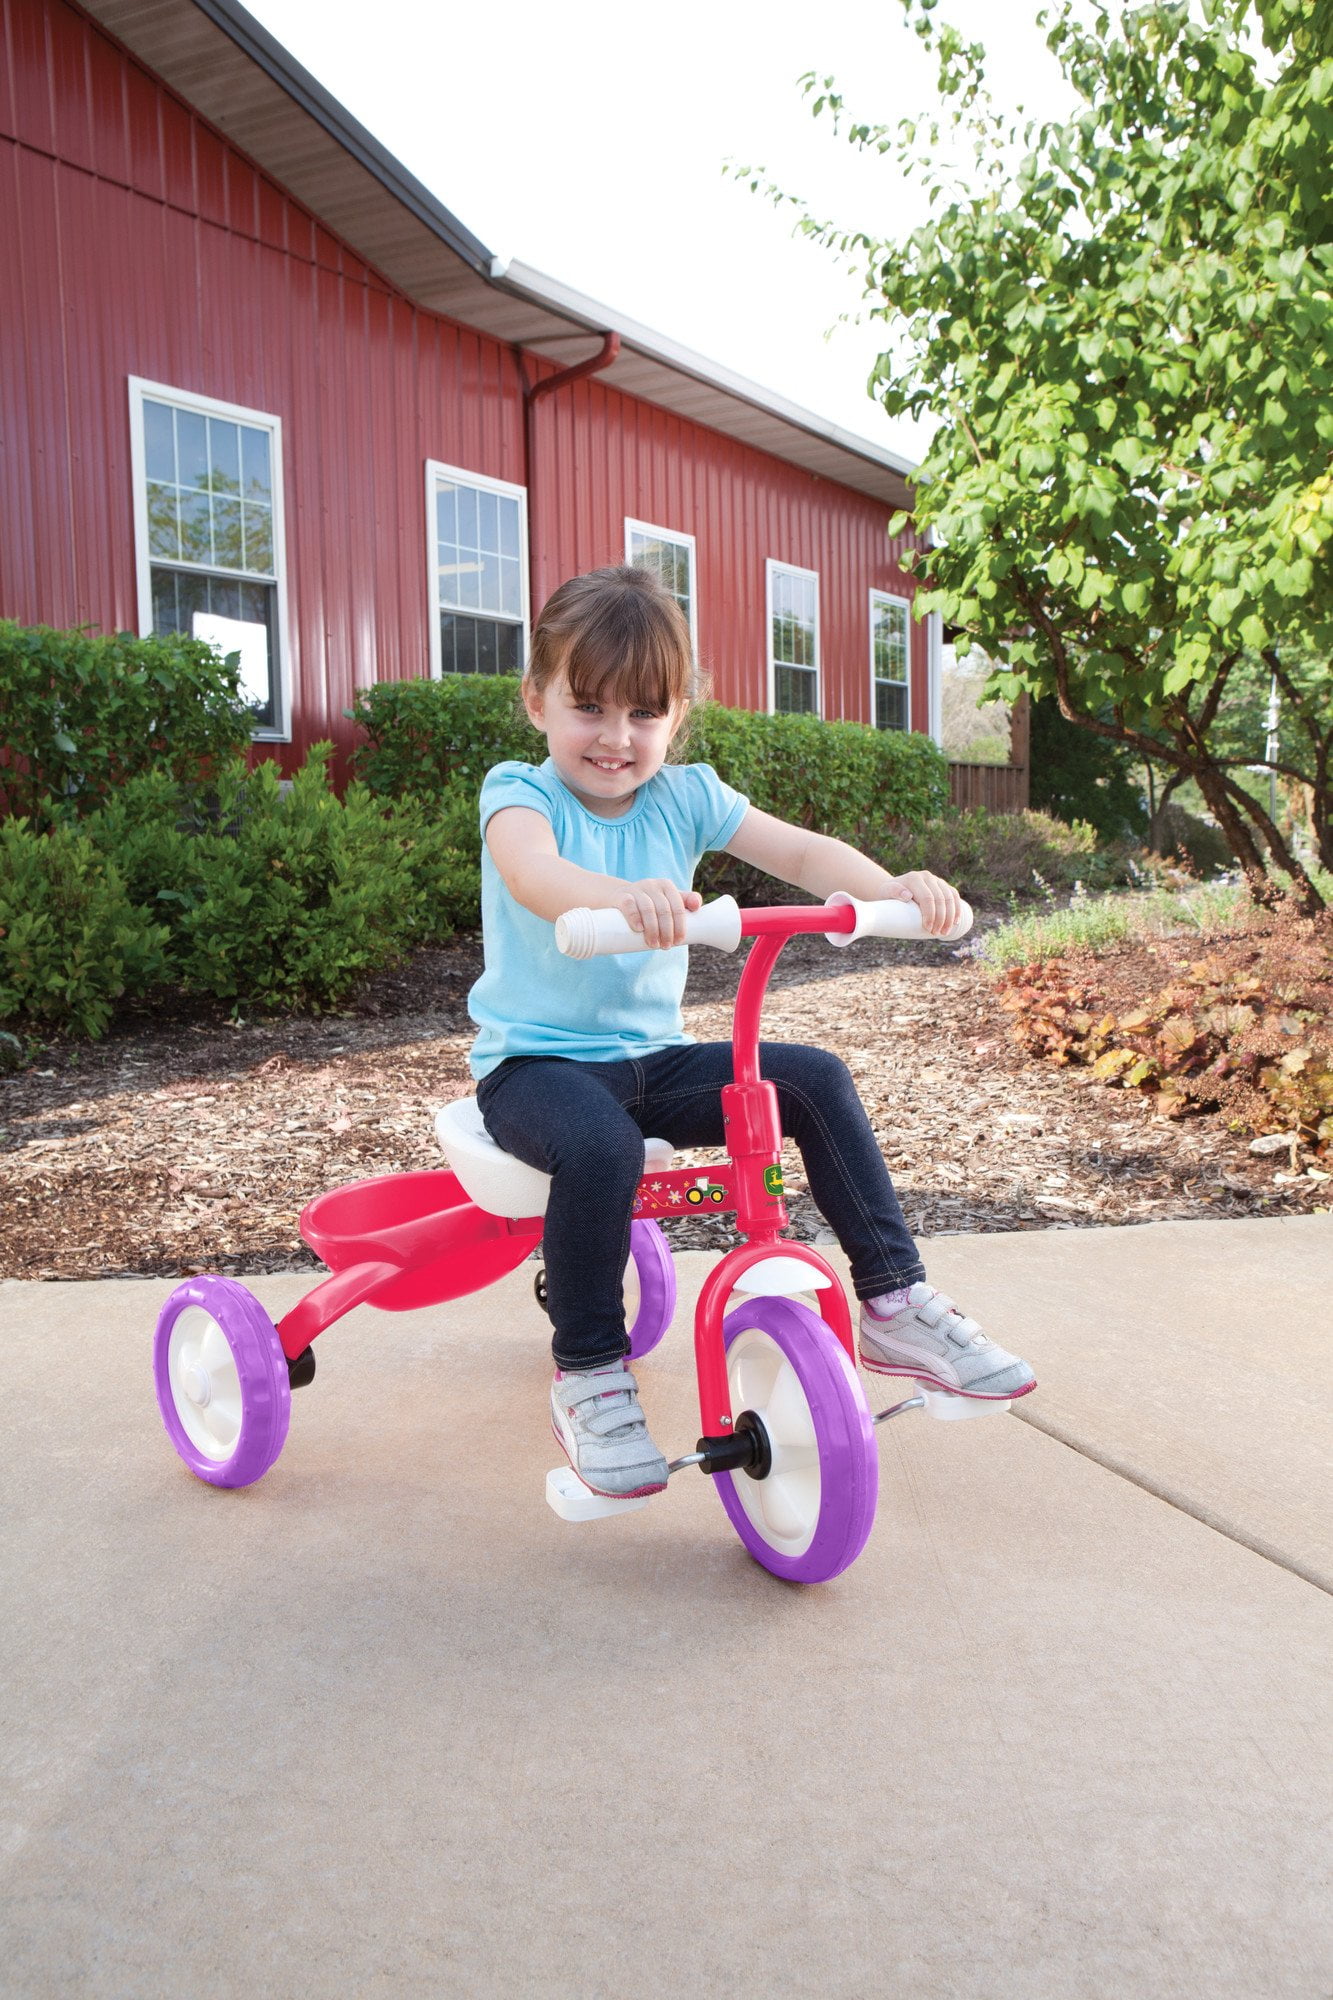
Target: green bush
{"x":842,"y":778}
{"x":72,"y":942}
{"x":423,"y":737}
{"x":996,"y":855}
{"x":81,"y":715}
{"x":437,"y":739}
{"x":283,"y":898}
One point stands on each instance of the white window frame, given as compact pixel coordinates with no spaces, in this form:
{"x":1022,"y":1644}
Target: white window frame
{"x":678,"y":535}
{"x":771,"y":568}
{"x":280,"y":731}
{"x":435,"y":470}
{"x":890,"y":597}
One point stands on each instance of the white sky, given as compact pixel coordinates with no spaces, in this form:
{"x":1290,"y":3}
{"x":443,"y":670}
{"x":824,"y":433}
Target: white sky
{"x":594,"y":152}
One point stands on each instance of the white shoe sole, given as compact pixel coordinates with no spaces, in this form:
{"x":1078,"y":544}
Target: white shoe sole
{"x":873,"y":1366}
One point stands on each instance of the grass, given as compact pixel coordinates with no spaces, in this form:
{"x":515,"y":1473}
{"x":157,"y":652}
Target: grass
{"x":1091,"y":923}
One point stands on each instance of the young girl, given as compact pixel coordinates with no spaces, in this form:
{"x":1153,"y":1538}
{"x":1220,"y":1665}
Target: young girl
{"x":578,"y":1061}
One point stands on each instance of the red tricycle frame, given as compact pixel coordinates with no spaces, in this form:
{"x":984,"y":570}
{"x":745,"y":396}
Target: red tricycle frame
{"x":409,"y":1240}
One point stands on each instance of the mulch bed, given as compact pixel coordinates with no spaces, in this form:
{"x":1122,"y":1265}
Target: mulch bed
{"x":187,"y":1144}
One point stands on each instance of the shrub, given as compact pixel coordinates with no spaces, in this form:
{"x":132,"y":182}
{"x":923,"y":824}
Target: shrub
{"x":277,"y":899}
{"x":842,"y":778}
{"x":992,"y":855}
{"x":1218,"y":1037}
{"x":72,"y":942}
{"x":431,"y":738}
{"x":84,"y":714}
{"x":424,"y":737}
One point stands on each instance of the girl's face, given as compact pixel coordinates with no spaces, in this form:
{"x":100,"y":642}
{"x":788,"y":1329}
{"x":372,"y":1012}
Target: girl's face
{"x":601,"y":750}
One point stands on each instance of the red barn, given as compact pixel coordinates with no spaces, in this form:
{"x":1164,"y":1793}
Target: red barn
{"x":258,"y":384}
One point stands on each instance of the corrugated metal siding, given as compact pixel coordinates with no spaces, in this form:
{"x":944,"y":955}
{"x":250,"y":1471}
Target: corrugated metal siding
{"x":141,"y":243}
{"x":600,"y":456}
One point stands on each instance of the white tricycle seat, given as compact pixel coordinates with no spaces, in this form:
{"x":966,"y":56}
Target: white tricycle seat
{"x":494,"y":1179}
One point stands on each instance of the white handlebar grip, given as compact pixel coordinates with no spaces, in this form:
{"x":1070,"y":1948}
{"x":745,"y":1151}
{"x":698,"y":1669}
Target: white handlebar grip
{"x":894,"y":917}
{"x":600,"y":933}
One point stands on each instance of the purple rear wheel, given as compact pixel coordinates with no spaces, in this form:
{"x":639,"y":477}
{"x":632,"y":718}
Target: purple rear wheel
{"x":222,"y":1382}
{"x":651,"y":1272}
{"x":809,"y":1517}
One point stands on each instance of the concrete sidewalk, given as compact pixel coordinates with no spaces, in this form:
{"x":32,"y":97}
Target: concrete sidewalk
{"x":383,"y":1725}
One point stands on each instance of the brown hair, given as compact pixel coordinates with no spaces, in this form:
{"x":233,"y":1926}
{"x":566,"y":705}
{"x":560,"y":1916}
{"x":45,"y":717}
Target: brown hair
{"x":616,"y":634}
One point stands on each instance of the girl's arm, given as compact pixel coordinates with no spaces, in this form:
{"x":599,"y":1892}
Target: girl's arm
{"x":522,"y":846}
{"x":819,"y":864}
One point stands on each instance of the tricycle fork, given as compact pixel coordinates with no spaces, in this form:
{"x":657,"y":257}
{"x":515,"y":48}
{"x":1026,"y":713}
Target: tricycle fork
{"x":710,"y":1357}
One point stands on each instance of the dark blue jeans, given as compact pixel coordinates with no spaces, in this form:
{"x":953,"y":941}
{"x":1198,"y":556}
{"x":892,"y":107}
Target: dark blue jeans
{"x":584,"y":1123}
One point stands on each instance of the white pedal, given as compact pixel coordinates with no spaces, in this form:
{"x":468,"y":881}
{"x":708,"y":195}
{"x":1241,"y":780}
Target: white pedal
{"x":573,"y":1501}
{"x":949,"y":1408}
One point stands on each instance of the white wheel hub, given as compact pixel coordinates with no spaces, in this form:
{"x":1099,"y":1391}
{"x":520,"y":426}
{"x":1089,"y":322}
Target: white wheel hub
{"x":196,"y":1384}
{"x":205,"y":1385}
{"x":784,"y":1507}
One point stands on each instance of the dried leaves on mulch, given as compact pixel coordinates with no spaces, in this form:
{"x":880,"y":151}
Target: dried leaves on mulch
{"x":185,"y":1145}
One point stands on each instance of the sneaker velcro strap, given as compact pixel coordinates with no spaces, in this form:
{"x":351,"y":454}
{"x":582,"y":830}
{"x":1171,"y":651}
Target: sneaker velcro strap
{"x":576,"y":1389}
{"x":615,"y":1417}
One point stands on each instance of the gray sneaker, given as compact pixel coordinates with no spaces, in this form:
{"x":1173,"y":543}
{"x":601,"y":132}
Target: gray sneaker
{"x":597,"y":1419}
{"x":933,"y":1342}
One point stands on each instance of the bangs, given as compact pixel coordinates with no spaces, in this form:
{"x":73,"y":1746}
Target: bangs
{"x":632,"y":655}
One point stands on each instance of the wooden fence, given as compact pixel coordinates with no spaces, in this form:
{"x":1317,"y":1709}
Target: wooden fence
{"x":998,"y":787}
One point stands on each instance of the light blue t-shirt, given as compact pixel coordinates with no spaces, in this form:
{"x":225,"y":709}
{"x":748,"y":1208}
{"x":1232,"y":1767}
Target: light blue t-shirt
{"x":533,"y":1001}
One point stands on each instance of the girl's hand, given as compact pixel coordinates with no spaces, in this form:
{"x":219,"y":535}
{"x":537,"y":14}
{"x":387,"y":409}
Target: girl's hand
{"x":658,"y":909}
{"x":940,"y":905}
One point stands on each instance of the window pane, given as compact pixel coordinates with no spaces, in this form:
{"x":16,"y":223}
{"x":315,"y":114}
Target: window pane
{"x":446,"y":513}
{"x":467,"y":518}
{"x":192,"y":448}
{"x":793,"y":691}
{"x":488,"y":582}
{"x":488,"y":523}
{"x":224,"y":452}
{"x":467,"y":583}
{"x":166,"y":612}
{"x":159,"y":437}
{"x":509,"y":649}
{"x":255,"y":475}
{"x":891,"y":649}
{"x":163,"y":523}
{"x":196,"y":528}
{"x":511,"y":587}
{"x":258,"y":538}
{"x":227,"y":544}
{"x":508,"y":526}
{"x":890,"y":705}
{"x":486,"y":663}
{"x":458,"y":643}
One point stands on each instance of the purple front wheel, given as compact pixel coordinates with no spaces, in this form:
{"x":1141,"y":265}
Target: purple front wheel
{"x":222,"y":1382}
{"x":651,"y":1272}
{"x":808,"y":1518}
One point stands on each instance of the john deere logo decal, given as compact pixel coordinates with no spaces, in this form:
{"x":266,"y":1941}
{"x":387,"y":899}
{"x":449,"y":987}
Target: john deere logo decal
{"x":773,"y":1182}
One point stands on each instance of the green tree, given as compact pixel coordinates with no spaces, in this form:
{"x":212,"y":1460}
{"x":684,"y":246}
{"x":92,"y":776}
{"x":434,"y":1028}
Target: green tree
{"x":1123,"y":325}
{"x":1076,"y":775}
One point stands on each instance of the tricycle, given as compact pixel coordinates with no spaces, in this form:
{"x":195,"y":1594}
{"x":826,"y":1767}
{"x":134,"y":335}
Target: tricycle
{"x":786,"y":1433}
